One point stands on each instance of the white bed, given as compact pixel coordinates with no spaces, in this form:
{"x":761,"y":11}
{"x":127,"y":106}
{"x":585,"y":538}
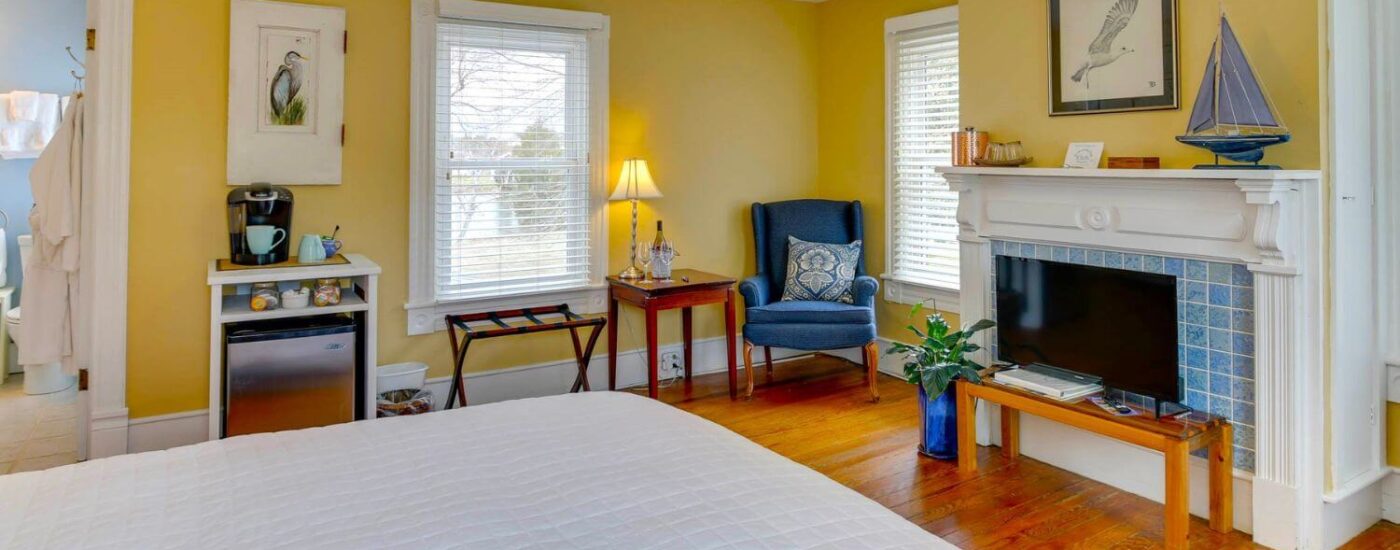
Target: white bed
{"x":590,"y":470}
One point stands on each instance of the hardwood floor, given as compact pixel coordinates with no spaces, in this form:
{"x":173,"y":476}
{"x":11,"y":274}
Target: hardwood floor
{"x":817,"y":411}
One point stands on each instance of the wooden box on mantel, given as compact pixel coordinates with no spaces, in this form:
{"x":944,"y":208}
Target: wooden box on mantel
{"x":1135,"y":162}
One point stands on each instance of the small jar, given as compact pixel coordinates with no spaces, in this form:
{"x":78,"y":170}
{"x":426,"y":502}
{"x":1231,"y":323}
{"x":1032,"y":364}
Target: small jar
{"x":327,"y":292}
{"x":264,"y":297}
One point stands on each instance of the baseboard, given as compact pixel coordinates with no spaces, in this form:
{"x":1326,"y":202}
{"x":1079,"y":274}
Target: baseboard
{"x":1390,"y":496}
{"x":109,"y":432}
{"x":537,"y":380}
{"x":555,"y":377}
{"x":1345,"y":517}
{"x":155,"y":433}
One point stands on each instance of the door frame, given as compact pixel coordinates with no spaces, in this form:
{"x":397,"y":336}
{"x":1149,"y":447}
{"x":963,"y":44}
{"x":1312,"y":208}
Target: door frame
{"x":104,"y":279}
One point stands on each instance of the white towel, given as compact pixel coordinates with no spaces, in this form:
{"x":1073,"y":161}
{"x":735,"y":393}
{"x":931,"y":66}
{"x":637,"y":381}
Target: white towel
{"x":24,"y":106}
{"x":49,"y":115}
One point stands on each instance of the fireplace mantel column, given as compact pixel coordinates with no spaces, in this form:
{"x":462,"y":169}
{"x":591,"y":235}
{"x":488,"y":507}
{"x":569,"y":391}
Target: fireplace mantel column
{"x":1288,"y":367}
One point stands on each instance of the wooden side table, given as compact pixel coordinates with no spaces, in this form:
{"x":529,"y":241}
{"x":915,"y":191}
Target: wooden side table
{"x":685,"y":289}
{"x":1173,"y":437}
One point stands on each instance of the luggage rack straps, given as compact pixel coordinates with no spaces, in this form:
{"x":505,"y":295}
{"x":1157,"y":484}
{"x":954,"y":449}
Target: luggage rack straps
{"x":500,"y":318}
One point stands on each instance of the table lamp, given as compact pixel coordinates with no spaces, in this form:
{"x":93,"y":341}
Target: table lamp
{"x":635,"y":183}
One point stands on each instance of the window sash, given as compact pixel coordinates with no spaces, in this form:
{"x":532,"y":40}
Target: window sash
{"x":922,"y":74}
{"x":504,"y":223}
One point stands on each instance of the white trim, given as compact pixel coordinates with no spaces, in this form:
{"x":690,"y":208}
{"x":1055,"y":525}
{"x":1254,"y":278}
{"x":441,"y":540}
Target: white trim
{"x":425,"y":311}
{"x":522,"y":15}
{"x":910,"y":293}
{"x":1361,"y":283}
{"x":1390,"y":496}
{"x":897,"y":290}
{"x":534,"y":380}
{"x":922,"y":19}
{"x":110,"y":136}
{"x":157,"y":433}
{"x":428,"y":317}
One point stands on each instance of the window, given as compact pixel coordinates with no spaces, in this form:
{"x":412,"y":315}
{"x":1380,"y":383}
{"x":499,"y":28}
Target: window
{"x":509,"y":192}
{"x":921,"y":115}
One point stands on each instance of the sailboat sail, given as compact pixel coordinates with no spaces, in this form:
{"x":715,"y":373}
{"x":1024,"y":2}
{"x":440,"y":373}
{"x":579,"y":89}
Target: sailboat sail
{"x":1203,"y":112}
{"x":1242,"y":101}
{"x":1229,"y":94}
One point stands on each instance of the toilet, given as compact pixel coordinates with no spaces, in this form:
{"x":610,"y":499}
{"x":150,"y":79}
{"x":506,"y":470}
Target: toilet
{"x":38,"y":379}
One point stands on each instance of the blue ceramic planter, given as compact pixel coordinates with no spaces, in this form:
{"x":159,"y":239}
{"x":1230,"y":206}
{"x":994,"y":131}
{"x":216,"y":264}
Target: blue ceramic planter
{"x":939,"y":437}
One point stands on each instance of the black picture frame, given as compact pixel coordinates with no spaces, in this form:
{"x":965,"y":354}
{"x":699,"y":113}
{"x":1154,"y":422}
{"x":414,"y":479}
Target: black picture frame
{"x":1171,"y":81}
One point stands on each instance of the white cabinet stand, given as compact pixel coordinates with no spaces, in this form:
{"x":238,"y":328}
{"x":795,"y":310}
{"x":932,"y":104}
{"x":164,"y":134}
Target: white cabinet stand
{"x":232,"y":306}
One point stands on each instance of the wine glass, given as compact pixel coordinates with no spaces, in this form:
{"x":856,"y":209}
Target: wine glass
{"x":644,"y":256}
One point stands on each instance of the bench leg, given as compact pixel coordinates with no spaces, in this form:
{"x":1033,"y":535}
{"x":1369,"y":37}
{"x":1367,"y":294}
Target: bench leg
{"x":1222,"y":480}
{"x":1178,"y":515}
{"x":1010,"y":432}
{"x":967,"y":430}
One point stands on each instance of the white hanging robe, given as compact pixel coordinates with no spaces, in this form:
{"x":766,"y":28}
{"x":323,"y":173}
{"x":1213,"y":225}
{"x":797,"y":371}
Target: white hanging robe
{"x":50,"y":301}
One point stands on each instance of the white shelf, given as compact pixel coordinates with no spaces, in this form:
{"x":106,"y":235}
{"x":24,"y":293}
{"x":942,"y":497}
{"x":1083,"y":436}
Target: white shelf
{"x":237,"y":310}
{"x":359,"y":266}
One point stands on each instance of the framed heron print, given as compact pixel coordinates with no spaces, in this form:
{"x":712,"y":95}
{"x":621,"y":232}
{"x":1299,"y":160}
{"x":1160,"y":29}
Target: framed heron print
{"x":1112,"y":55}
{"x":286,"y":91}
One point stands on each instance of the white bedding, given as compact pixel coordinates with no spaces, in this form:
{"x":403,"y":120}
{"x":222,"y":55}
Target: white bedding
{"x":589,"y":470}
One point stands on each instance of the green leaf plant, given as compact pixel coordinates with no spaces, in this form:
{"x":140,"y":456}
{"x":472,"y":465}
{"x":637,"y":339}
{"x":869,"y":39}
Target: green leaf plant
{"x":940,"y":356}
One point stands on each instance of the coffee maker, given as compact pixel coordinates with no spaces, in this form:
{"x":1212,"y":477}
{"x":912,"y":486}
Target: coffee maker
{"x":268,"y":211}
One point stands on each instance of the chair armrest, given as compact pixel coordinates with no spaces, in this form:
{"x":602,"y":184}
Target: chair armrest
{"x":863,"y":290}
{"x":755,"y":291}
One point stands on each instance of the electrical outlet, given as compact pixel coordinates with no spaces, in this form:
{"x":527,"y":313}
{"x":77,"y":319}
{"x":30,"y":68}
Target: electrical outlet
{"x":671,"y":361}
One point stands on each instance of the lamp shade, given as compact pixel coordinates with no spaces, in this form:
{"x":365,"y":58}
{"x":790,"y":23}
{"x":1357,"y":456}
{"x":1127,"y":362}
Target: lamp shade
{"x":635,"y":182}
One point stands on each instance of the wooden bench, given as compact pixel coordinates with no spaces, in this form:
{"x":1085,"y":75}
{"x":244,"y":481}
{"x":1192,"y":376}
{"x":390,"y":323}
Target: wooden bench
{"x":1174,"y":437}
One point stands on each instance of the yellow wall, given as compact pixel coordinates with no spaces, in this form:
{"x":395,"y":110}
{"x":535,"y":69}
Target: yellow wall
{"x":852,"y":122}
{"x":719,"y":95}
{"x":1004,"y":74}
{"x":1004,"y":71}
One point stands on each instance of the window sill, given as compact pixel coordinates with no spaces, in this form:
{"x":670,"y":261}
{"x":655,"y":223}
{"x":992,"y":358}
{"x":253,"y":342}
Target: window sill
{"x":905,"y":292}
{"x":427,"y":317}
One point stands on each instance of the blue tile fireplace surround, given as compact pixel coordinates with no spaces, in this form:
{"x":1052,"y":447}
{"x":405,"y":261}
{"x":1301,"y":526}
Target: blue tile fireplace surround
{"x":1215,"y":329}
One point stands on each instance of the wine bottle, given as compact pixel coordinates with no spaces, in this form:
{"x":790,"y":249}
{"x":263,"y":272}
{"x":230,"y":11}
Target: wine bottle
{"x":660,"y":241}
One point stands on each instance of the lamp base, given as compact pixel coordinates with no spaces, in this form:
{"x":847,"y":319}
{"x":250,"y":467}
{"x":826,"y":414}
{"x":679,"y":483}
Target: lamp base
{"x":631,"y":273}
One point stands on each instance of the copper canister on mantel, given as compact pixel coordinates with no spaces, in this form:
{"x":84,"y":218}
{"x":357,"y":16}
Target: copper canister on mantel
{"x":968,"y":145}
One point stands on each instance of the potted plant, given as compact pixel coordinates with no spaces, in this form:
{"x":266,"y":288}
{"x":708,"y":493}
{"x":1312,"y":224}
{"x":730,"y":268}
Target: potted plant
{"x":940,"y":356}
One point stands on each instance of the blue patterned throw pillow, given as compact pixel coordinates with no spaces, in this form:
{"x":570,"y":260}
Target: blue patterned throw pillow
{"x":820,"y":271}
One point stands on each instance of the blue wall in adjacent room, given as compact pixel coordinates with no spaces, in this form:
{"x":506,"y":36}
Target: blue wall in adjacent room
{"x":33,"y":34}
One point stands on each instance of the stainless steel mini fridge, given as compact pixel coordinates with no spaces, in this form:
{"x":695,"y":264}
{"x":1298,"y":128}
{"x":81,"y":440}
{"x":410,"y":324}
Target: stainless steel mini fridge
{"x":288,"y":374}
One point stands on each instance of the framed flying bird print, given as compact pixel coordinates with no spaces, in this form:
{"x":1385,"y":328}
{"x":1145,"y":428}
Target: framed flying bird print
{"x":1113,"y":55}
{"x":285,"y":93}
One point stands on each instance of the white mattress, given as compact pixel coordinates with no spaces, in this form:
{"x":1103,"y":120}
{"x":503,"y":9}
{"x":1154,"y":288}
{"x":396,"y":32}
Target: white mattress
{"x":590,"y":470}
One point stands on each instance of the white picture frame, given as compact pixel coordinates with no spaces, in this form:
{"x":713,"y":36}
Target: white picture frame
{"x":286,"y":93}
{"x":1084,"y":155}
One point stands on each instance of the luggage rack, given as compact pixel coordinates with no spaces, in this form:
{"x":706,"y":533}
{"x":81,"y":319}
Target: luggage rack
{"x":500,"y":327}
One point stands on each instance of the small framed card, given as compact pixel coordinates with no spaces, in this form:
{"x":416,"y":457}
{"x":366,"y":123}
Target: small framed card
{"x":1084,"y":155}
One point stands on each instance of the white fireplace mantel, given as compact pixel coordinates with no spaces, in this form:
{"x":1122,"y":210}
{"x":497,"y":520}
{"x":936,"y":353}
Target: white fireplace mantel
{"x":1269,"y":220}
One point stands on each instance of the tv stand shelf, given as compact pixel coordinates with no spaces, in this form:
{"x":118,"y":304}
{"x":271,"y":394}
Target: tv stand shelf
{"x":1174,"y":437}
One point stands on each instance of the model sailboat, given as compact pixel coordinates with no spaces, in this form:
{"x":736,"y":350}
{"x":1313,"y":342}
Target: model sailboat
{"x":1233,"y":116}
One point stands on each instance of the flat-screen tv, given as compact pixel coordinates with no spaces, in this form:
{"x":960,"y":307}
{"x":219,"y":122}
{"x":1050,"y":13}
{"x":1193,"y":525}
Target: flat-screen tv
{"x":1112,"y":324}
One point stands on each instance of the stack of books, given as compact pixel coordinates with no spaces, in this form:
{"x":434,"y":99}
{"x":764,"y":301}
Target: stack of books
{"x":1062,"y":388}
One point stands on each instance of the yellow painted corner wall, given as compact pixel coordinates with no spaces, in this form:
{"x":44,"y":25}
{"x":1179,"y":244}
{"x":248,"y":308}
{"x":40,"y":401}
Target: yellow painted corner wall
{"x":852,"y":123}
{"x":719,"y":95}
{"x":1392,"y":442}
{"x":1004,"y":73}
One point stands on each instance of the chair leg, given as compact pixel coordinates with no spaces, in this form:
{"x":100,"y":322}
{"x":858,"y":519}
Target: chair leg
{"x":748,"y":369}
{"x":768,"y":359}
{"x":872,"y":365}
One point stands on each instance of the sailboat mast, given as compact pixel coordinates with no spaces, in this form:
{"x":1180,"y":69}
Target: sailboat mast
{"x":1216,"y":51}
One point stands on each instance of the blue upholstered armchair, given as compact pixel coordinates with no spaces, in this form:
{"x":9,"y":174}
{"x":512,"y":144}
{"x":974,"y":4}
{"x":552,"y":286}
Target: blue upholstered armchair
{"x":806,"y":325}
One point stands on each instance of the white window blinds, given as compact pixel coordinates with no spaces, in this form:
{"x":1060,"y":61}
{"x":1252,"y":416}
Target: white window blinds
{"x":923,"y":113}
{"x":511,"y":211}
